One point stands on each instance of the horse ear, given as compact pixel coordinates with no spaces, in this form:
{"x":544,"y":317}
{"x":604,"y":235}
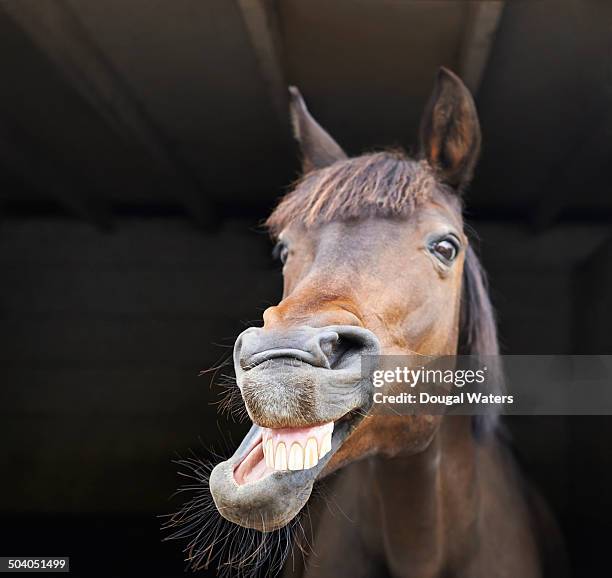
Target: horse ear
{"x":318,"y":148}
{"x":450,"y":132}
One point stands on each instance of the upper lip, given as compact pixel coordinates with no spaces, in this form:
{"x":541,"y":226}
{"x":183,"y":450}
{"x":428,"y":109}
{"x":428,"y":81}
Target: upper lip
{"x":284,"y":352}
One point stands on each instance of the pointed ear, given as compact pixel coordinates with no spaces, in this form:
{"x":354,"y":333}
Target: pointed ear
{"x":318,"y":148}
{"x":450,"y":132}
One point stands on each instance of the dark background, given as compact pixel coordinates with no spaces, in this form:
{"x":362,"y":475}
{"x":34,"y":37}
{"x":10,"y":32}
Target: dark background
{"x":141,"y":145}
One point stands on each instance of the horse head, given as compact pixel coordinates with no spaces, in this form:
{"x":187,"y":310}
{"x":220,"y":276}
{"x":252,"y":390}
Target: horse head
{"x":375,"y":262}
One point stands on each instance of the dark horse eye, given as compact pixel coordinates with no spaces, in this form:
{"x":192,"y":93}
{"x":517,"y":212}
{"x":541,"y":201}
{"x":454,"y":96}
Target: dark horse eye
{"x":445,"y":249}
{"x":281,"y":252}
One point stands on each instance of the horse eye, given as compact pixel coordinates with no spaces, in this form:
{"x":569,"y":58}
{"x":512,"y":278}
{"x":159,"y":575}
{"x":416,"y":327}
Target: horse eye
{"x":281,"y":252}
{"x":445,"y":249}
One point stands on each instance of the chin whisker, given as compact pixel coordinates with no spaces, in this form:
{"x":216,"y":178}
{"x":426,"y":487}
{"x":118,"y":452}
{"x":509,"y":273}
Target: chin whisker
{"x":214,"y":542}
{"x":231,"y":403}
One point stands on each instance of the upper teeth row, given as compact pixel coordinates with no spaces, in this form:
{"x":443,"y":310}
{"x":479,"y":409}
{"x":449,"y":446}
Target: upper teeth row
{"x":296,"y":457}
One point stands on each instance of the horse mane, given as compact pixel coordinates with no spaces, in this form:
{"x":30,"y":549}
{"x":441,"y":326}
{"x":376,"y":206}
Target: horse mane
{"x":390,"y":184}
{"x":477,"y":328}
{"x":382,"y":184}
{"x":478,"y":332}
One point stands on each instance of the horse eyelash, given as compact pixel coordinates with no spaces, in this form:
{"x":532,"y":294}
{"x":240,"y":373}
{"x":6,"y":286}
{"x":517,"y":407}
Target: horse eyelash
{"x":276,"y":252}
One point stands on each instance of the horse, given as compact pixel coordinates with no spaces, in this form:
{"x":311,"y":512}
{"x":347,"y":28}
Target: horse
{"x":376,"y":261}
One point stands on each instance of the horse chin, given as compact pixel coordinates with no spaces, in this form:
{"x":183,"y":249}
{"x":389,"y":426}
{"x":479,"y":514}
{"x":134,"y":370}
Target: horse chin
{"x":249,"y":492}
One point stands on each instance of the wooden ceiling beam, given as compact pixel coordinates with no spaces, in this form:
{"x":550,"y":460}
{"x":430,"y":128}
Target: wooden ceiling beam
{"x":262,"y":24}
{"x":568,"y":178}
{"x":482,"y":22}
{"x":54,"y":27}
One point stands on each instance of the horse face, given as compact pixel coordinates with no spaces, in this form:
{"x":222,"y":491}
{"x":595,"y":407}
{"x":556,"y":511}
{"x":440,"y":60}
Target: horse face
{"x":353,"y":287}
{"x":348,"y":286}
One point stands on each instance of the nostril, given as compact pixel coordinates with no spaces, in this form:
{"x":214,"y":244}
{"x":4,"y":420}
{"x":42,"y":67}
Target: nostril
{"x":344,"y":348}
{"x":328,"y":342}
{"x":349,"y":346}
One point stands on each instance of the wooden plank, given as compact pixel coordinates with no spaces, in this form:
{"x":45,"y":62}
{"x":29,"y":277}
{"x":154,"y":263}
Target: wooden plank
{"x":162,"y":244}
{"x":156,"y":392}
{"x":591,"y":472}
{"x":568,"y":177}
{"x":120,"y":342}
{"x":42,"y":171}
{"x":592,"y":314}
{"x":109,"y":464}
{"x":82,"y":291}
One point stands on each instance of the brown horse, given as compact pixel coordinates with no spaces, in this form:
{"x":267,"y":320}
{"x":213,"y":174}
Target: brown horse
{"x":376,"y":261}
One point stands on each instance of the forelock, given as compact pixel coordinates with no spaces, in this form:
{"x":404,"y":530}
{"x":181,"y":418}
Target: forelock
{"x":383,"y":184}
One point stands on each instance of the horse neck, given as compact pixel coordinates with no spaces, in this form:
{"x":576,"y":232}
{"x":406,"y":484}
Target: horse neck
{"x":423,"y":498}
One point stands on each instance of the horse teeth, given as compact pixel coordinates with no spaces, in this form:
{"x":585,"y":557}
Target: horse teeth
{"x":296,"y":448}
{"x":269,"y":454}
{"x":296,"y":457}
{"x":280,"y":459}
{"x":325,"y":445}
{"x":311,"y":458}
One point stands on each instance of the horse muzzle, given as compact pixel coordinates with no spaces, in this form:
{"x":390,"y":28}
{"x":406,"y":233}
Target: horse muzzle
{"x":305,"y":392}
